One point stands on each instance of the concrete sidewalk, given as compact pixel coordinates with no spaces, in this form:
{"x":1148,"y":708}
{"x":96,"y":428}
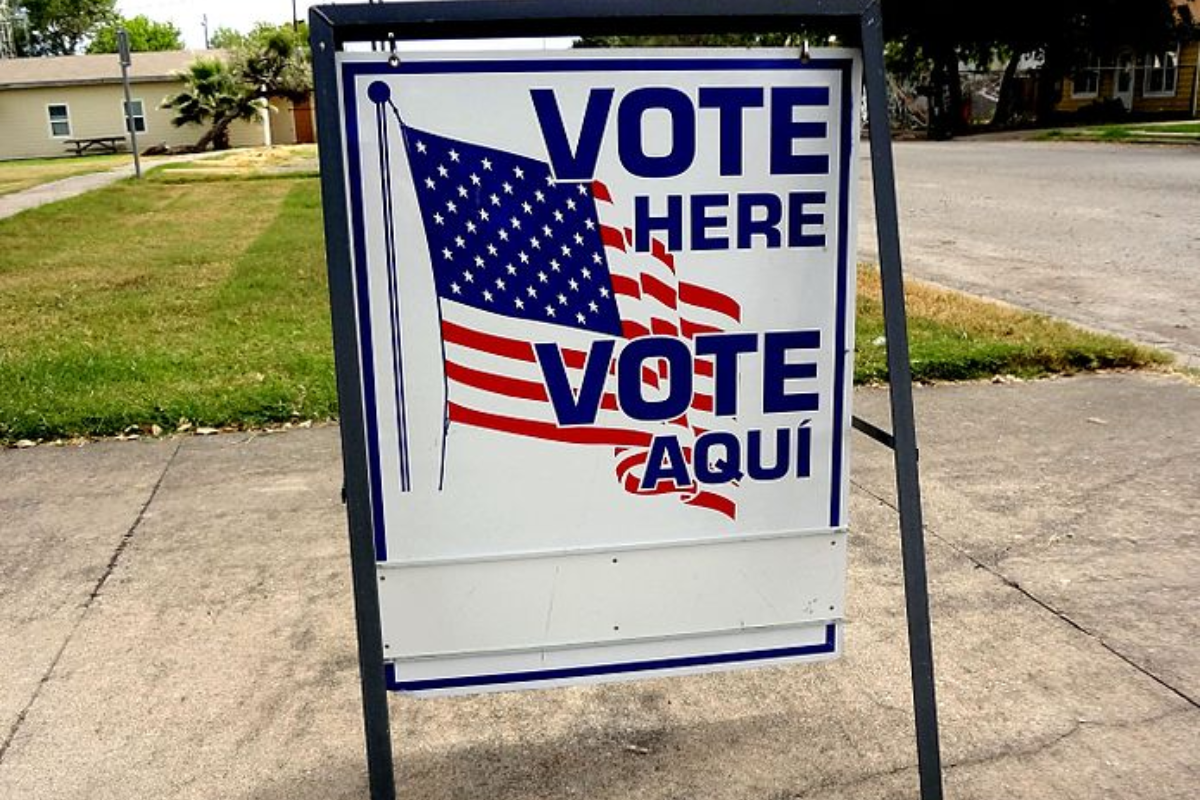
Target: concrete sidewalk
{"x":175,"y":621}
{"x":52,"y":192}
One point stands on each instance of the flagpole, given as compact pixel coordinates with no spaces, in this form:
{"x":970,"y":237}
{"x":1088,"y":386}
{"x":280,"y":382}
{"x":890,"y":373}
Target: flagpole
{"x":381,"y":94}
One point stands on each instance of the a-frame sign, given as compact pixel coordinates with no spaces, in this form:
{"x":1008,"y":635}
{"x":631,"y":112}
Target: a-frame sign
{"x":593,"y":319}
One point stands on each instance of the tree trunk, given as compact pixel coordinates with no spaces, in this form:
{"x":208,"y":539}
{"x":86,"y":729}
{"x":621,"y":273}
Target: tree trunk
{"x":217,"y":136}
{"x":1008,"y":90}
{"x":1049,"y":88}
{"x":945,"y":95}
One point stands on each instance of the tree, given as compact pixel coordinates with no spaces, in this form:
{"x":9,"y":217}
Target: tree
{"x":226,"y":38}
{"x":933,"y":35}
{"x":60,"y":27}
{"x":274,"y":60}
{"x":145,"y":36}
{"x":213,"y":96}
{"x":708,"y":40}
{"x":271,"y":61}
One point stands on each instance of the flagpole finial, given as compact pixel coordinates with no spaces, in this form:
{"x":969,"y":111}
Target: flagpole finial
{"x":379,"y":92}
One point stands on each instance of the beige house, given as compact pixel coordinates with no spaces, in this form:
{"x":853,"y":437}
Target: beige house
{"x":1163,"y":84}
{"x":44,"y":102}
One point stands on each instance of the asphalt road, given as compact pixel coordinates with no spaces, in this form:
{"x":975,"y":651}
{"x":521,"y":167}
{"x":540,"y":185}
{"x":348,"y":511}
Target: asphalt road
{"x":1104,"y":235}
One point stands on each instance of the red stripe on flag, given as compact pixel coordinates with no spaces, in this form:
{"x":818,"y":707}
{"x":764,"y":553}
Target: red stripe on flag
{"x":497,"y":384}
{"x":693,"y":329}
{"x":702,"y":402}
{"x":661,"y":327}
{"x":711,"y":299}
{"x":659,"y":251}
{"x":714,"y":502}
{"x":705,"y":368}
{"x":496,"y":345}
{"x":658,"y":290}
{"x":633,"y":485}
{"x":546,"y":430}
{"x":600,"y":192}
{"x":632,"y":330}
{"x":503,"y":346}
{"x":612,"y":238}
{"x":626,"y":286}
{"x":629,"y":462}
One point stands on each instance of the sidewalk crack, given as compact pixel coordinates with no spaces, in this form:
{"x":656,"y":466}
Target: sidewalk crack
{"x":1033,"y":748}
{"x":995,"y":572}
{"x":113,"y":561}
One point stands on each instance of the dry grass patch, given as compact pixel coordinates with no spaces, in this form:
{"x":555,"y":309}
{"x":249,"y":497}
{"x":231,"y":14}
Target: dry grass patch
{"x":245,"y":163}
{"x":955,"y":336}
{"x":17,"y":176}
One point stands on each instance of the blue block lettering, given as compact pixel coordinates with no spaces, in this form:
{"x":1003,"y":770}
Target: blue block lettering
{"x":702,"y":222}
{"x":797,"y":219}
{"x":785,"y":130}
{"x":709,"y":468}
{"x":644,"y":224}
{"x":580,"y":164}
{"x":730,"y":102}
{"x":777,"y":371}
{"x":679,"y":378}
{"x":803,"y":451}
{"x":726,"y":347}
{"x":754,"y":457}
{"x":631,"y":143}
{"x":570,"y":409}
{"x":749,"y":226}
{"x":665,"y":449}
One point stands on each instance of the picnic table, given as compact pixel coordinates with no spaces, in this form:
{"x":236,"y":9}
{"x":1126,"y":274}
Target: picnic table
{"x":95,"y":144}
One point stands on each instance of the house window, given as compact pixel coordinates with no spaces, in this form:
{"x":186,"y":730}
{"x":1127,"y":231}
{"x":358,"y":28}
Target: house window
{"x":137,"y":111}
{"x":1085,"y":82}
{"x":1162,"y":73}
{"x":60,"y":120}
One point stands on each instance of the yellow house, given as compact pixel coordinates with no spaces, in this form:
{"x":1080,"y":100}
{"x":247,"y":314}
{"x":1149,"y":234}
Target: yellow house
{"x":44,"y":102}
{"x":1165,"y":83}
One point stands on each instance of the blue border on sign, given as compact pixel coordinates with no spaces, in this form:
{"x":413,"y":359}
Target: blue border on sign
{"x":350,"y":70}
{"x":618,"y":668}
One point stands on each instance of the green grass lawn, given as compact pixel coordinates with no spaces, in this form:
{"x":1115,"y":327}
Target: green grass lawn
{"x":1176,"y":127}
{"x":1133,"y":131}
{"x":147,"y":303}
{"x":16,"y":176}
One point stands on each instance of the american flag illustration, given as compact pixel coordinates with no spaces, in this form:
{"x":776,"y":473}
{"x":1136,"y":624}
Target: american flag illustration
{"x":521,"y":259}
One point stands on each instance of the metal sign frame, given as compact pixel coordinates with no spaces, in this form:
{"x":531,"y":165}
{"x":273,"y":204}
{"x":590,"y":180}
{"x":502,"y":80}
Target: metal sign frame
{"x":333,"y":26}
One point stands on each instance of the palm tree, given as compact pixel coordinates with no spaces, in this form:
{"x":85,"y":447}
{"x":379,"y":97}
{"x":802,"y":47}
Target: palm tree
{"x":214,"y":96}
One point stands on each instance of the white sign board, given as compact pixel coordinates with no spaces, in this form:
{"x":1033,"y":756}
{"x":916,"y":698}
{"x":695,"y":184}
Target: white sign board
{"x":605,"y":310}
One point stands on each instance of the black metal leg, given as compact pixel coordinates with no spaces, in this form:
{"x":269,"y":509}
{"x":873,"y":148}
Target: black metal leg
{"x":908,"y":487}
{"x":357,"y":492}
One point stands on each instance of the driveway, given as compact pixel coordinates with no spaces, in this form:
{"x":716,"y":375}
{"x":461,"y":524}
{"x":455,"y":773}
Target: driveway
{"x":1107,"y":236}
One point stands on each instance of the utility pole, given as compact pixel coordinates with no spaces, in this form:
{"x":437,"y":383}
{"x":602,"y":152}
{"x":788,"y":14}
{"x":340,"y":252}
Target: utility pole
{"x":204,"y":24}
{"x":126,"y":60}
{"x":295,"y":21}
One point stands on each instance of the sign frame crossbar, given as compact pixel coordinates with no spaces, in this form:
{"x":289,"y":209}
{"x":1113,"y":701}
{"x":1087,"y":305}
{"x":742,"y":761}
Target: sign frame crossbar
{"x":332,"y":26}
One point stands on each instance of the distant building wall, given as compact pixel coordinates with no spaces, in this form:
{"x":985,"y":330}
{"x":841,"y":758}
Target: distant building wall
{"x":96,"y":110}
{"x":1181,"y":102}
